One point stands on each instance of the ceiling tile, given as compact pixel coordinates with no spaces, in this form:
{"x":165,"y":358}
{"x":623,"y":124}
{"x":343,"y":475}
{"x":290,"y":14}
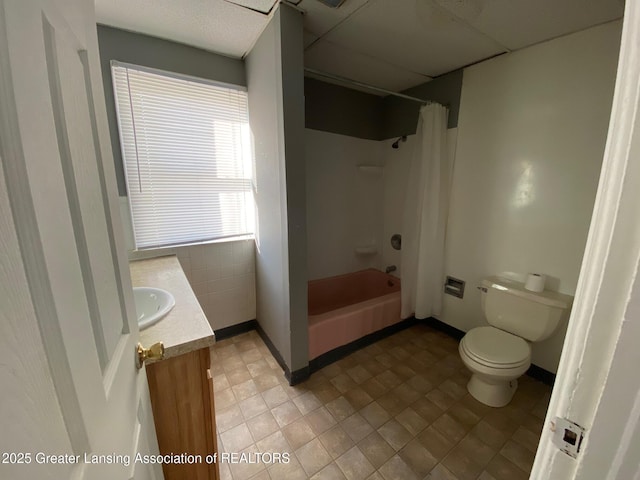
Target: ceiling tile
{"x":413,"y":34}
{"x":519,"y":23}
{"x":319,"y":18}
{"x":263,"y":6}
{"x":309,"y":38}
{"x":330,"y":58}
{"x":214,"y":25}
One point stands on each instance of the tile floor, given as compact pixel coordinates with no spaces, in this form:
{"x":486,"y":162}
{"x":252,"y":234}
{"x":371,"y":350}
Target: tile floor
{"x":397,"y":409}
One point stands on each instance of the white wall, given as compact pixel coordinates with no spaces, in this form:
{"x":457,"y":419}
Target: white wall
{"x":343,"y":203}
{"x":531,"y":137}
{"x":221,"y":274}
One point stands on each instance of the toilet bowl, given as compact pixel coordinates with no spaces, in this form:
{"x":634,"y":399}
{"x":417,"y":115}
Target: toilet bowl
{"x":496,"y":360}
{"x":498,"y":354}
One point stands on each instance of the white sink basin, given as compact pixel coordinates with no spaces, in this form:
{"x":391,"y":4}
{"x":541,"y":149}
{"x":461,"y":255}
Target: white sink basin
{"x":151,"y":305}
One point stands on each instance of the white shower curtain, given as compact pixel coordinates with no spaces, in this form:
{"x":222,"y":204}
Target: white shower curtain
{"x":425,"y":216}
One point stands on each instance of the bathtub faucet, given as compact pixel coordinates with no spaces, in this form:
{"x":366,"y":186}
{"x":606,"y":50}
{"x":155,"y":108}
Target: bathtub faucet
{"x":390,"y":268}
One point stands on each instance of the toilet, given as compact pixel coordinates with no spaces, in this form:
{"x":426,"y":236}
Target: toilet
{"x":498,"y":354}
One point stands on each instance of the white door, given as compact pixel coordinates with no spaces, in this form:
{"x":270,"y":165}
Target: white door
{"x":69,"y":386}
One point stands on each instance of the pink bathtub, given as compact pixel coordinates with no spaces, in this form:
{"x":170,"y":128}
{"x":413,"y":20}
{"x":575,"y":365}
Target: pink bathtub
{"x":347,"y":307}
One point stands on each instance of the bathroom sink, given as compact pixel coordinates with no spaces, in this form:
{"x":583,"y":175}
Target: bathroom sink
{"x":151,"y":305}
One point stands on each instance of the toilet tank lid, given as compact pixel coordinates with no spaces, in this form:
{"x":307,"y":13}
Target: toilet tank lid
{"x":552,"y":299}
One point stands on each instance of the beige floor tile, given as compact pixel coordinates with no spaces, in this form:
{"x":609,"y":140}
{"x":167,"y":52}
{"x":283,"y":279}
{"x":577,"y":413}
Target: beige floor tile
{"x":340,"y":408}
{"x":396,"y":469}
{"x":375,"y":414}
{"x":265,"y":381}
{"x":220,"y":382}
{"x":463,"y":415}
{"x":427,"y":409}
{"x":336,"y":441}
{"x":320,"y":420}
{"x":330,"y":472}
{"x":358,"y":398}
{"x":489,"y":435}
{"x":236,"y":439}
{"x":247,"y":469}
{"x":238,"y":375}
{"x":307,"y":402}
{"x":440,"y":398}
{"x":437,"y":445}
{"x":275,"y":396}
{"x":526,"y":438}
{"x":262,"y":425}
{"x":503,"y":469}
{"x":298,"y":433}
{"x":325,"y":392}
{"x":440,"y":472}
{"x":374,"y":388}
{"x":461,"y":465}
{"x":356,"y":427}
{"x":245,"y":389}
{"x":410,"y":420}
{"x":399,"y":405}
{"x":388,"y":379}
{"x":224,"y":399}
{"x":354,"y":464}
{"x":418,"y":458}
{"x":286,"y":413}
{"x":519,"y":455}
{"x":359,"y":374}
{"x":476,"y":449}
{"x":343,"y":382}
{"x":395,"y":434}
{"x":228,"y":418}
{"x":275,"y":443}
{"x":287,"y":471}
{"x":313,"y":457}
{"x":258,"y":367}
{"x":420,"y":384}
{"x":376,"y":449}
{"x":252,"y":406}
{"x":391,"y":403}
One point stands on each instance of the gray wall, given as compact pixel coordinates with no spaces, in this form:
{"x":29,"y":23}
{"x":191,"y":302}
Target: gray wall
{"x":276,"y":115}
{"x":336,"y":109}
{"x":401,"y":116}
{"x":154,"y":52}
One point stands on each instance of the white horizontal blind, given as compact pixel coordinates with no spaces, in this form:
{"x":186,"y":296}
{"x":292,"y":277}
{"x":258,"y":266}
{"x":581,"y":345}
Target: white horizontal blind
{"x":187,"y":157}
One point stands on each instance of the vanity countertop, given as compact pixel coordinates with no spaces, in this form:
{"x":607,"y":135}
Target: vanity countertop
{"x":185,"y":328}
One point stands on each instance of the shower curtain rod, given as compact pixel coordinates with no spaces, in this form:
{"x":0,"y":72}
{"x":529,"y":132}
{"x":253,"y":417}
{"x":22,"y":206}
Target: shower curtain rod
{"x":364,"y":85}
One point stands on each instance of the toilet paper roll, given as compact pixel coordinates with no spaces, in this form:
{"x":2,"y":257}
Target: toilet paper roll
{"x":535,"y":282}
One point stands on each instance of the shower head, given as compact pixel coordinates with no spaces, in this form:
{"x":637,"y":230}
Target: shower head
{"x":396,"y":144}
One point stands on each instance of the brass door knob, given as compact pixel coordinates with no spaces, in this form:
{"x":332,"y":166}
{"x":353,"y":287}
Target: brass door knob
{"x":154,"y":352}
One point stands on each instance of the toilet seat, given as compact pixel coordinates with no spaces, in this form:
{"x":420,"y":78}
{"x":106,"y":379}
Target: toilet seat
{"x":495,"y":348}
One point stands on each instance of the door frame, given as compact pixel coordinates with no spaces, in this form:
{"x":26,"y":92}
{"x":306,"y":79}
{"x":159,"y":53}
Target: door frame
{"x":595,"y":386}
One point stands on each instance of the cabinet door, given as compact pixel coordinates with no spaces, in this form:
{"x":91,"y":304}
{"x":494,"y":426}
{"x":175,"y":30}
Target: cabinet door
{"x":181,"y":398}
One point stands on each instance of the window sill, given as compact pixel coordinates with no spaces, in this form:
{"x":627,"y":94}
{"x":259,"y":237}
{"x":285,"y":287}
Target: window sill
{"x":139,"y":254}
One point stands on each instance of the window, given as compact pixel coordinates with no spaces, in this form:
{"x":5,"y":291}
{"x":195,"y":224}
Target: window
{"x":187,"y":158}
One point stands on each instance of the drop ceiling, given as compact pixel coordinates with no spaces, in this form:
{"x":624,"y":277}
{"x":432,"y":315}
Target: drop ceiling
{"x":392,"y":44}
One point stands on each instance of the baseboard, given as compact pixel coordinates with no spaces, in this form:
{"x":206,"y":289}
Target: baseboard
{"x":344,"y":350}
{"x":444,"y":328}
{"x":539,"y":373}
{"x":234,"y":330}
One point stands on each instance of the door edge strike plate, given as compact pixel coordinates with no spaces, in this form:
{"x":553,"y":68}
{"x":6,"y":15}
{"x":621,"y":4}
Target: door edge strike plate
{"x":567,"y":436}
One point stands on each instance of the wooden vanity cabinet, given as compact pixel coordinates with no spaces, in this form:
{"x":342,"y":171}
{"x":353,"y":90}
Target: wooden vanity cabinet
{"x":181,"y":391}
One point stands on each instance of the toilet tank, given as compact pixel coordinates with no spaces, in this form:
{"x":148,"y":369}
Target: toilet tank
{"x":534,"y":316}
